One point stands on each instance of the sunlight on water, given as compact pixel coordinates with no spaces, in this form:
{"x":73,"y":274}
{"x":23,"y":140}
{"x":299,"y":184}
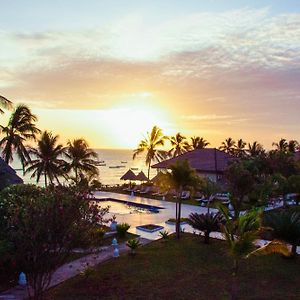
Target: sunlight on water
{"x":111,"y":158}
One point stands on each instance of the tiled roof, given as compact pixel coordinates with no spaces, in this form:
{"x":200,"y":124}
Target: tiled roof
{"x":202,"y":160}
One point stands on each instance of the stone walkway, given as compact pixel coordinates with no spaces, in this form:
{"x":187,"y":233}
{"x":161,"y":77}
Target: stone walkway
{"x":71,"y":269}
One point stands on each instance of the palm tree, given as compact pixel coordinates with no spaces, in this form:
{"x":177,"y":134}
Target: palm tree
{"x":293,"y":146}
{"x":240,"y":235}
{"x":206,"y":222}
{"x":82,"y":159}
{"x":48,"y":159}
{"x":21,"y":127}
{"x":198,"y":143}
{"x":286,"y":226}
{"x":240,"y":148}
{"x":149,"y":145}
{"x":282,"y":145}
{"x":228,"y":146}
{"x":255,"y":149}
{"x":182,"y":177}
{"x":5,"y":103}
{"x":179,"y":145}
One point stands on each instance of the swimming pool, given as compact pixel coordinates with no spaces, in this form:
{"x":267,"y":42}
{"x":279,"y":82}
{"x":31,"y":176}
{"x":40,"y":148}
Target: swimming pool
{"x":122,"y":207}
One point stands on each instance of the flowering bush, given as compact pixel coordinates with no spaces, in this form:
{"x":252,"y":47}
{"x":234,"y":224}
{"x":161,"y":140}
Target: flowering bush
{"x":44,"y":225}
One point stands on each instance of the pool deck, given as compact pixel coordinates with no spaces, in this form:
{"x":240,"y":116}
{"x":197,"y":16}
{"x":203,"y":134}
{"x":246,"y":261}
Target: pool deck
{"x":160,"y":218}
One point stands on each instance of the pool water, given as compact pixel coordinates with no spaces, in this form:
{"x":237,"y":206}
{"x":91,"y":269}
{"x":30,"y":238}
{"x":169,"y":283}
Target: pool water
{"x":123,"y":208}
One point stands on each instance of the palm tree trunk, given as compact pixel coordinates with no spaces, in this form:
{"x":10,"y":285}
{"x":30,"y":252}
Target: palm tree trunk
{"x":206,"y":237}
{"x":45,"y":175}
{"x":76,"y":174}
{"x":178,"y":214}
{"x":149,"y":170}
{"x":234,"y":286}
{"x":294,"y":249}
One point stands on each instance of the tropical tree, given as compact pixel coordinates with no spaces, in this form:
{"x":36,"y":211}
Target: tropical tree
{"x":286,"y":226}
{"x":293,"y":146}
{"x":282,"y":145}
{"x":293,"y":183}
{"x":149,"y":145}
{"x":206,"y":222}
{"x":240,"y":183}
{"x":179,"y":145}
{"x":255,"y":149}
{"x":82,"y":160}
{"x":228,"y":146}
{"x":48,"y":159}
{"x":20,"y":128}
{"x":43,"y":226}
{"x":240,"y":235}
{"x":198,"y":143}
{"x":240,"y":150}
{"x":181,"y":177}
{"x":5,"y":103}
{"x":208,"y":189}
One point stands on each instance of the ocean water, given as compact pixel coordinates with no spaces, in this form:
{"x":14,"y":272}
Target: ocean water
{"x":110,"y":158}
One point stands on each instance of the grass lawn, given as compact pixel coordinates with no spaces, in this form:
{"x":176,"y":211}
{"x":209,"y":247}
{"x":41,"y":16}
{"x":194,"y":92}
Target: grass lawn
{"x":185,"y":269}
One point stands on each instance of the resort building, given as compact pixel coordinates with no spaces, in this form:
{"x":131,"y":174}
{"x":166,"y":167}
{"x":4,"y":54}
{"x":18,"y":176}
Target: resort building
{"x":208,"y":162}
{"x":8,"y":175}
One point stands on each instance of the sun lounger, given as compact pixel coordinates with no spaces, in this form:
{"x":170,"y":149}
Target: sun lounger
{"x":146,"y":190}
{"x":185,"y":195}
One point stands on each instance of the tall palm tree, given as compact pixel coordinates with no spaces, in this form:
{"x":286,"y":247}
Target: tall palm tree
{"x":48,"y":159}
{"x":228,"y":146}
{"x":255,"y":149}
{"x":179,"y":145}
{"x":293,"y":146}
{"x":149,"y":145}
{"x":198,"y":143}
{"x":83,"y":160}
{"x":5,"y":103}
{"x":181,"y":177}
{"x":21,"y":127}
{"x":282,"y":145}
{"x":240,"y":148}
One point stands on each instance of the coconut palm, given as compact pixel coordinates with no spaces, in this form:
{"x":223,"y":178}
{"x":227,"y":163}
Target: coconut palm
{"x":20,"y":128}
{"x":255,"y":149}
{"x":228,"y":146}
{"x":5,"y":103}
{"x":198,"y":143}
{"x":206,"y":222}
{"x":179,"y":145}
{"x":149,"y":145}
{"x":47,"y":159}
{"x":82,"y":160}
{"x":181,"y":177}
{"x":240,"y":150}
{"x":293,"y":146}
{"x":282,"y":145}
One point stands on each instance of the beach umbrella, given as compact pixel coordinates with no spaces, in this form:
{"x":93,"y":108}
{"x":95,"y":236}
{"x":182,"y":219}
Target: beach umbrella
{"x":141,"y":177}
{"x":129,"y":175}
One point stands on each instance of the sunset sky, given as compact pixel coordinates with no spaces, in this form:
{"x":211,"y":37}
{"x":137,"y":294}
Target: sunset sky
{"x":109,"y":70}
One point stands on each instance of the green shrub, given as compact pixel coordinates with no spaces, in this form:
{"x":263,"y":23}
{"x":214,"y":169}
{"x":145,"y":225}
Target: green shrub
{"x":122,"y":228}
{"x":97,"y":235}
{"x":164,"y":234}
{"x":133,"y":244}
